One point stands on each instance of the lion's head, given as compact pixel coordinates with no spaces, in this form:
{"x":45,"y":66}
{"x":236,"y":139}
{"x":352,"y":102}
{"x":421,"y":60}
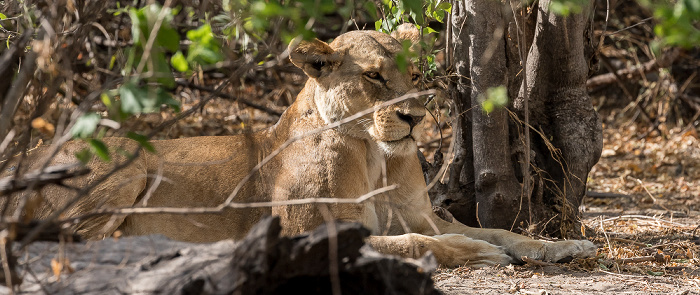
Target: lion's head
{"x":359,"y":71}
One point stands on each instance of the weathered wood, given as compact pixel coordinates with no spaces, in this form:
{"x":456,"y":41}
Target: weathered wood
{"x":262,"y":263}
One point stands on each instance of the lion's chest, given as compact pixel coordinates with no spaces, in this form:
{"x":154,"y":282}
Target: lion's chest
{"x":376,"y":166}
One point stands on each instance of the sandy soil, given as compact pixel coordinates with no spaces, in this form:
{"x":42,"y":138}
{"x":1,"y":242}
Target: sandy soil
{"x":645,"y":216}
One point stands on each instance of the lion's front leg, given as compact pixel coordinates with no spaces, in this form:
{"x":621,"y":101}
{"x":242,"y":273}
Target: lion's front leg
{"x":517,"y":246}
{"x":450,"y":250}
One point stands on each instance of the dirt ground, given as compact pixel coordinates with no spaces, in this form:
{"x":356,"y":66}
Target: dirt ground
{"x":643,"y":207}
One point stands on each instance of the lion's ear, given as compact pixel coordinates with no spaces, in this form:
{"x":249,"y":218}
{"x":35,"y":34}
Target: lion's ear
{"x":408,"y":32}
{"x":311,"y":56}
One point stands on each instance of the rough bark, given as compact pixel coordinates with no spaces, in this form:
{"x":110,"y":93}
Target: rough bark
{"x":262,"y":263}
{"x":497,"y":189}
{"x":461,"y":174}
{"x":562,"y":110}
{"x":565,"y":131}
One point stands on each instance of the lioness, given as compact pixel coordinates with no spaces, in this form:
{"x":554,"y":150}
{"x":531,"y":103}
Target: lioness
{"x":357,"y":71}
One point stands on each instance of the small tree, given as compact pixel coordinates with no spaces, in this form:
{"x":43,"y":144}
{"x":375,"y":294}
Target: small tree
{"x":525,"y":163}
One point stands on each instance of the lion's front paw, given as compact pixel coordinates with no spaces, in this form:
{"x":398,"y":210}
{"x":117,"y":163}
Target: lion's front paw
{"x":565,"y":251}
{"x":562,"y":251}
{"x":457,"y":250}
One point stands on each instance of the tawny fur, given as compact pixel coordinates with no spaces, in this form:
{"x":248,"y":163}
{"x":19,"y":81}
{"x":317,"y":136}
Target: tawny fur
{"x":356,"y":72}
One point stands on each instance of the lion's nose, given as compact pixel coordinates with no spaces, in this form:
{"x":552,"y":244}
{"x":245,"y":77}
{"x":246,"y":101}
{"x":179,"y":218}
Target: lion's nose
{"x":410,"y":119}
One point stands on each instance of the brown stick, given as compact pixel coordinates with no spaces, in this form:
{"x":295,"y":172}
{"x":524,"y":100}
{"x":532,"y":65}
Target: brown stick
{"x":633,"y":71}
{"x":603,"y":195}
{"x":230,"y":97}
{"x":657,"y":258}
{"x":39,"y":178}
{"x":536,"y":262}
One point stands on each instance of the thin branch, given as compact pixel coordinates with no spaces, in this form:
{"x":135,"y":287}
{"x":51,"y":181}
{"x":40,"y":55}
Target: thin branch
{"x":332,"y":248}
{"x":536,"y":262}
{"x":633,"y":71}
{"x":604,"y":195}
{"x":645,"y":217}
{"x":522,"y":52}
{"x":657,"y":258}
{"x":11,"y":101}
{"x":218,"y":209}
{"x":152,"y":37}
{"x":39,"y":178}
{"x":218,"y":93}
{"x":641,"y":22}
{"x":5,"y":254}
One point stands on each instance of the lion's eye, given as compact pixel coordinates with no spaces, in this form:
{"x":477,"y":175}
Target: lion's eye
{"x":373,"y":75}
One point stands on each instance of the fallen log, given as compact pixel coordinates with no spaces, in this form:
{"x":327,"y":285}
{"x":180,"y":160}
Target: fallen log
{"x":262,"y":263}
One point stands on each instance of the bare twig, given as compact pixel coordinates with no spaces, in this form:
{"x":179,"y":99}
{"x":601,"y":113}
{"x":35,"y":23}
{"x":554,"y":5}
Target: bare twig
{"x":536,"y":262}
{"x":640,"y":244}
{"x":641,"y":22}
{"x":605,"y":195}
{"x":218,"y":93}
{"x":152,"y":37}
{"x":657,"y":219}
{"x":39,"y":178}
{"x":526,"y":191}
{"x":209,"y":210}
{"x":657,"y":258}
{"x":633,"y":71}
{"x":606,"y":237}
{"x":8,"y":272}
{"x":11,"y":101}
{"x":332,"y":248}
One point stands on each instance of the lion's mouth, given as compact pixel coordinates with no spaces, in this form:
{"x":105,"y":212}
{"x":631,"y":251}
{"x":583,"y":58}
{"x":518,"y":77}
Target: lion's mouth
{"x":407,"y":137}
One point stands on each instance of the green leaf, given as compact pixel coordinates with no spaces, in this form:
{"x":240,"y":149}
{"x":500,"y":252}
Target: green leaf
{"x":106,"y":100}
{"x":162,"y":73}
{"x":83,"y":156}
{"x":179,"y":62}
{"x":445,"y":6}
{"x":168,"y":38}
{"x":2,"y":16}
{"x":136,"y":99}
{"x":496,"y":97}
{"x":415,"y":7}
{"x":566,"y":7}
{"x":204,"y":56}
{"x":138,"y":23}
{"x":85,"y":125}
{"x":204,"y":50}
{"x":142,"y":140}
{"x":112,"y":61}
{"x":100,"y":149}
{"x":129,"y":96}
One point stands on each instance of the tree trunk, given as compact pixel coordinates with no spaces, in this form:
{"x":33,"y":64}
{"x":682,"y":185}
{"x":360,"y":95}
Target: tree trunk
{"x":485,"y":186}
{"x":461,"y":176}
{"x":561,"y":108}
